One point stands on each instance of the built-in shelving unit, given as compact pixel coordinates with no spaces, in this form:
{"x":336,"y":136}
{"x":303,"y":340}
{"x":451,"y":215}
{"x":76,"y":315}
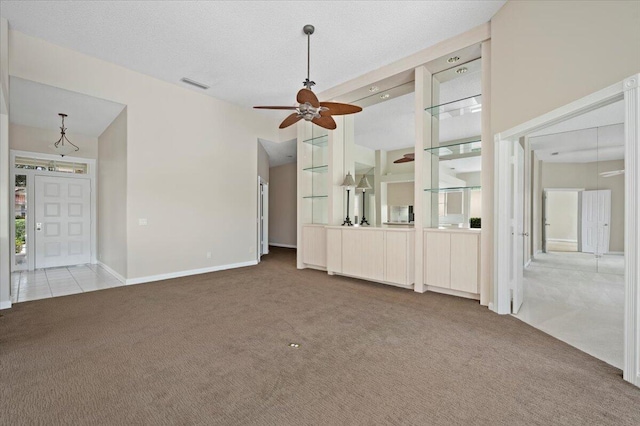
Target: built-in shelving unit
{"x":315,"y":174}
{"x":468,"y":105}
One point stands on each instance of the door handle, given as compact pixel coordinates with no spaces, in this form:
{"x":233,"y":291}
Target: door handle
{"x":547,"y":224}
{"x":606,"y":224}
{"x":526,"y":234}
{"x":38,"y":226}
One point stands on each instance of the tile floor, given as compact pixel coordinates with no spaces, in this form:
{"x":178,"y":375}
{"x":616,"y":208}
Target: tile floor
{"x":53,"y":282}
{"x":579,"y":301}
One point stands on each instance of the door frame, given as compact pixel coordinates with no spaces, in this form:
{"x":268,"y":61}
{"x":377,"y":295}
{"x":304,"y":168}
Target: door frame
{"x":30,"y":223}
{"x":629,"y":91}
{"x":262,"y":196}
{"x":543,"y":217}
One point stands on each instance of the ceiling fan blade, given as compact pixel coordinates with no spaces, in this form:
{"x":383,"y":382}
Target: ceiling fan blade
{"x":404,"y":160}
{"x":293,"y":118}
{"x":411,"y":155}
{"x":306,"y":95}
{"x":276,"y":107}
{"x":336,"y":108}
{"x":326,"y":122}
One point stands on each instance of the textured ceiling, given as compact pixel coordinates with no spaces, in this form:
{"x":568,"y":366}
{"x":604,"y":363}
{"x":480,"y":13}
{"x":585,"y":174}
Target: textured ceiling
{"x":280,"y":152}
{"x":37,"y":105}
{"x":249,"y":52}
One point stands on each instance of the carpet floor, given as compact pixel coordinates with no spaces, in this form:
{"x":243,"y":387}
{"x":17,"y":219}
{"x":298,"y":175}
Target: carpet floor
{"x":214,"y":349}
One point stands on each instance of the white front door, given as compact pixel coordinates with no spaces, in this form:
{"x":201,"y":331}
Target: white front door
{"x":517,"y":227}
{"x":596,"y":218}
{"x":62,"y":221}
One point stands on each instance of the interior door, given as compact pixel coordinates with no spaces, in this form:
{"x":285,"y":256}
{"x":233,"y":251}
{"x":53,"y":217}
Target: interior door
{"x":264,"y":218}
{"x":596,"y":217}
{"x":62,"y":221}
{"x":517,"y":227}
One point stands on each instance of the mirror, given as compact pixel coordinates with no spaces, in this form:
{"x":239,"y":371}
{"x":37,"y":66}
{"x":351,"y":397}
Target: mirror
{"x":454,"y":162}
{"x":383,"y":133}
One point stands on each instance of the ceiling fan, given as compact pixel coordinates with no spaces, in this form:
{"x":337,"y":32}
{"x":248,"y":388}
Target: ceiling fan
{"x":309,"y":107}
{"x":407,"y":158}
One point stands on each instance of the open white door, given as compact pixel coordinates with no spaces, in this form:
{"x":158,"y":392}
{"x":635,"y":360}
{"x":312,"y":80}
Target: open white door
{"x":596,"y":217}
{"x":517,"y":225}
{"x":63,"y":221}
{"x":263,"y":217}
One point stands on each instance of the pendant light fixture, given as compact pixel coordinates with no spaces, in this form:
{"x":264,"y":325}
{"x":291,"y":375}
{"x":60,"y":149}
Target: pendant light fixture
{"x":60,"y":147}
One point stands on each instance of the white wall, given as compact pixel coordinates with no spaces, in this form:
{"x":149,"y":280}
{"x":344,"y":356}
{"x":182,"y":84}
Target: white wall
{"x":34,"y":139}
{"x":112,"y":195}
{"x":282,"y":204}
{"x":562,"y":215}
{"x":183,"y":148}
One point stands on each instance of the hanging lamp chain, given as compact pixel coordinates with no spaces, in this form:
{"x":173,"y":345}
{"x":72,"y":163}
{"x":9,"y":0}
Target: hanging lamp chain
{"x":308,"y":83}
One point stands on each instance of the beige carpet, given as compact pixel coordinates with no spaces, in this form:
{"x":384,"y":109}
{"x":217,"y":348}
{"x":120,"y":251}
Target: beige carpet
{"x":213,"y":349}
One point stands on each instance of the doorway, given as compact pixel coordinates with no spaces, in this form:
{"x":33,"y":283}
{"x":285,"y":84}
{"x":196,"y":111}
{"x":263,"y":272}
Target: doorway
{"x":63,"y":221}
{"x":561,"y":217}
{"x":611,"y":159}
{"x":263,"y":217}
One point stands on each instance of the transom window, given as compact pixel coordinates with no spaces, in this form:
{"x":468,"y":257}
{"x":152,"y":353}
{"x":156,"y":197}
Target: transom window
{"x":51,"y":165}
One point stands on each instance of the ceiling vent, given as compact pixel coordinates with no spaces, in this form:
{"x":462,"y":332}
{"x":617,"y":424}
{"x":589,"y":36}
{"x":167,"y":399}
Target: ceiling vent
{"x":194,"y":83}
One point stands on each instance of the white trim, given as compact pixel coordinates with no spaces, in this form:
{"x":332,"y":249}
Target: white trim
{"x":5,"y":305}
{"x":405,"y":286}
{"x":283,"y":245}
{"x":120,"y":278}
{"x":451,"y":292}
{"x":170,"y":275}
{"x":631,"y":370}
{"x":561,"y":240}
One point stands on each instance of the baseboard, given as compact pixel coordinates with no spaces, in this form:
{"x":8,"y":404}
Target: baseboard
{"x":283,"y":245}
{"x":526,"y":265}
{"x":5,"y":305}
{"x":560,"y":240}
{"x":110,"y":270}
{"x":151,"y":278}
{"x":615,"y":253}
{"x":453,"y":292}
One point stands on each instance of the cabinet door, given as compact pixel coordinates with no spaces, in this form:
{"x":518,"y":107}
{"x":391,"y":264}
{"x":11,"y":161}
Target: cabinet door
{"x":363,"y":254}
{"x":396,"y":261}
{"x":464,"y":262}
{"x":437,"y":260}
{"x":314,"y":245}
{"x":334,"y":250}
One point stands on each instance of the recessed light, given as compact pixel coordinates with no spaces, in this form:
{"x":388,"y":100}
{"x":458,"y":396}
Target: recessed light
{"x":385,"y":96}
{"x":294,"y":345}
{"x":453,"y":59}
{"x":461,"y":70}
{"x":555,"y":153}
{"x":373,"y":89}
{"x":290,"y":156}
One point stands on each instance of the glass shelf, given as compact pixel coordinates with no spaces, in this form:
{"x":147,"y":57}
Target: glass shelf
{"x":318,"y":140}
{"x":470,"y":105}
{"x":454,"y":189}
{"x":317,"y":169}
{"x":466,"y":149}
{"x":315,"y":196}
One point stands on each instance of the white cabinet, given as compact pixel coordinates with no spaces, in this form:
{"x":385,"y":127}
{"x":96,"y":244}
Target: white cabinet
{"x":399,"y":259}
{"x":452,"y":260}
{"x":465,"y":249}
{"x":437,"y":259}
{"x":375,"y":254}
{"x":314,"y":247}
{"x":334,"y":250}
{"x":363,"y":254}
